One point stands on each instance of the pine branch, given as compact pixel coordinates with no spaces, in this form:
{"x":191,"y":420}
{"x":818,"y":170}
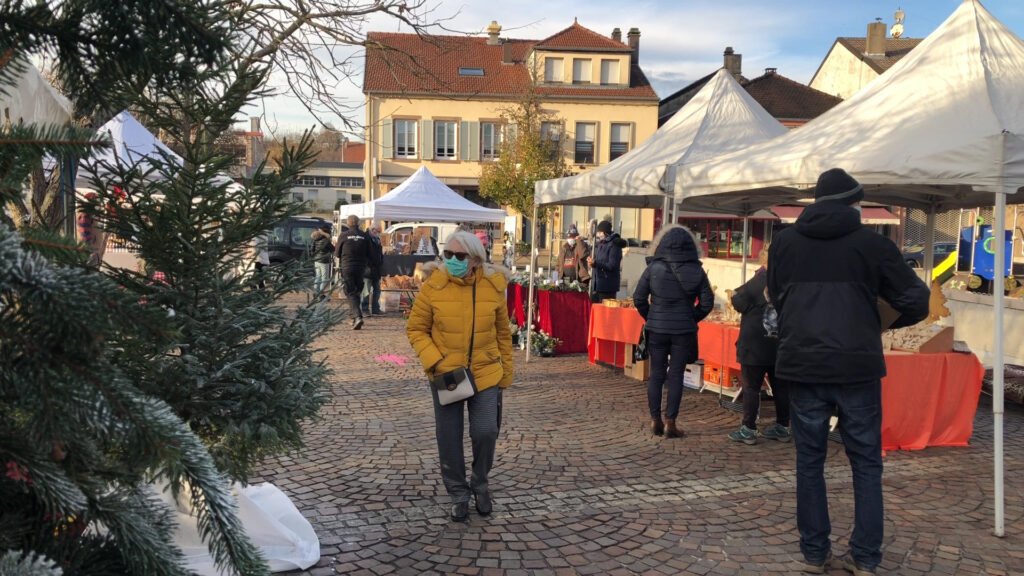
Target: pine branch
{"x":21,"y":563}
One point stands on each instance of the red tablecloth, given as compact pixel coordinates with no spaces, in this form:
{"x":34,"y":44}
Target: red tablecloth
{"x":610,"y":331}
{"x":566,"y":316}
{"x":515,"y":298}
{"x":929,"y":400}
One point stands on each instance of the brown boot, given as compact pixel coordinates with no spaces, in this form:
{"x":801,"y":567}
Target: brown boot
{"x":657,"y":428}
{"x":670,"y":429}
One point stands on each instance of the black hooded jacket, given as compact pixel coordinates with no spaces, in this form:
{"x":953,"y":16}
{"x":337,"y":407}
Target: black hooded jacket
{"x":673,"y":281}
{"x":754,"y":347}
{"x":825,"y":275}
{"x":353,"y":251}
{"x":607,"y":269}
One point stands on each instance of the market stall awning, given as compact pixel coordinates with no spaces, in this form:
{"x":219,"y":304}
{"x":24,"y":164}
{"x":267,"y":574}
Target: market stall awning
{"x":423,"y":198}
{"x":759,"y":215}
{"x":868,"y":215}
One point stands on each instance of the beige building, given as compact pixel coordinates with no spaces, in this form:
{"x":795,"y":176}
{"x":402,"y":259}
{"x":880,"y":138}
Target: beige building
{"x":438,"y":101}
{"x":324,"y":184}
{"x":852,"y":63}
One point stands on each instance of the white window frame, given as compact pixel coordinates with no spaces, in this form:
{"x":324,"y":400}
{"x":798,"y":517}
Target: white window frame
{"x":580,"y":140}
{"x":444,"y":150}
{"x":550,"y":72}
{"x":612,"y":141}
{"x":552,"y":132}
{"x":407,"y":148}
{"x":607,"y":76}
{"x":582,"y":70}
{"x":495,"y":140}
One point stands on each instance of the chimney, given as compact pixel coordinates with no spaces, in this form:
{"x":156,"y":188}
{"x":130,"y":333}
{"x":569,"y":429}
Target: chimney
{"x":617,"y":35}
{"x":506,"y":52}
{"x":733,"y":62}
{"x":770,"y":71}
{"x":875,"y":44}
{"x":634,"y":43}
{"x":493,"y":31}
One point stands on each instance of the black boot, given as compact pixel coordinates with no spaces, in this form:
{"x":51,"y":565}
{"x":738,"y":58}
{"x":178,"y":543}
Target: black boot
{"x":657,"y":428}
{"x":460,"y":511}
{"x":483,"y":503}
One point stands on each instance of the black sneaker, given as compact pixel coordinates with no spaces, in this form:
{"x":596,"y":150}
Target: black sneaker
{"x":357,"y":324}
{"x":483,"y":503}
{"x":460,"y":511}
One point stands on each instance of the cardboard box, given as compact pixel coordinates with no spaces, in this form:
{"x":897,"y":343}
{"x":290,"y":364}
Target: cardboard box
{"x":939,"y":342}
{"x":637,"y":370}
{"x":693,"y":377}
{"x":389,"y":301}
{"x":887,"y":314}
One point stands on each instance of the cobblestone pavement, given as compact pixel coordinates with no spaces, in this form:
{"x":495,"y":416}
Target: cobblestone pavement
{"x":580,"y":487}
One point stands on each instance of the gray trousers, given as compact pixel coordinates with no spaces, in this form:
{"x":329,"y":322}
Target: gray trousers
{"x":484,"y":423}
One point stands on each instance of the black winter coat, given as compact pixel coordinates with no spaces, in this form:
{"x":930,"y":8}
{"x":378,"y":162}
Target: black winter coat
{"x":606,"y":272}
{"x":376,"y":257}
{"x":825,"y":275}
{"x":673,"y":281}
{"x":754,"y":347}
{"x":323,"y":250}
{"x":353,"y":249}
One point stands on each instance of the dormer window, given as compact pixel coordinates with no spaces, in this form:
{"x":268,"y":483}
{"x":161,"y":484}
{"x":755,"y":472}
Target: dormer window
{"x":553,"y":70}
{"x":471,"y":71}
{"x":609,"y":72}
{"x":581,"y":71}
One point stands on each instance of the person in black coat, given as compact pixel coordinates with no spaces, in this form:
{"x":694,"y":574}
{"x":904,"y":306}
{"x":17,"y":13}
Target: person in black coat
{"x":606,"y":262}
{"x":371,"y":303}
{"x":322,"y":251}
{"x":825,"y":277}
{"x":353,"y":253}
{"x":755,"y":351}
{"x":673,"y":295}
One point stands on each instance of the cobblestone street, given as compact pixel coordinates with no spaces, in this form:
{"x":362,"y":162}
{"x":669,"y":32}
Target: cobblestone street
{"x":581,"y":487}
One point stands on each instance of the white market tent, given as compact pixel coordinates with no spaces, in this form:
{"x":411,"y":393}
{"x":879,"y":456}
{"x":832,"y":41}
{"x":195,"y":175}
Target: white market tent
{"x":942,"y":129}
{"x":33,"y":100}
{"x":422,"y":197}
{"x":721,"y":117}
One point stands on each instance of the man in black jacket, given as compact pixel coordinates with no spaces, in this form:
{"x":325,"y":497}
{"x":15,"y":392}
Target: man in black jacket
{"x":371,"y":303}
{"x":323,"y":252}
{"x":353,"y":253}
{"x":825,"y":276}
{"x":606,"y":262}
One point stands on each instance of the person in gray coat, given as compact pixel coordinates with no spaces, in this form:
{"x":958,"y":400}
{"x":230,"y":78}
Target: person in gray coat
{"x":673,"y":295}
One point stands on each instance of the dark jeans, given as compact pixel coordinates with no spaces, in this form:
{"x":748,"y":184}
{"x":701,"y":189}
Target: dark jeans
{"x":753,"y":377}
{"x":668,"y":354}
{"x":353,"y":284}
{"x":371,"y":303}
{"x":859,"y":408}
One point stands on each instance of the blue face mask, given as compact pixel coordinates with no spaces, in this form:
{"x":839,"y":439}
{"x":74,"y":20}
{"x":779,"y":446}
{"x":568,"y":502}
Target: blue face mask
{"x":456,"y":267}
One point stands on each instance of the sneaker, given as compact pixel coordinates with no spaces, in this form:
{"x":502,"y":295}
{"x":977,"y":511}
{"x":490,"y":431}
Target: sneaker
{"x":745,"y":435}
{"x":819,"y":567}
{"x":357,"y":324}
{"x":850,"y":565}
{"x":777,"y":432}
{"x":460,"y":511}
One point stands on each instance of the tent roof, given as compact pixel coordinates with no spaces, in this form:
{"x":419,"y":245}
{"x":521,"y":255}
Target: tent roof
{"x":131,"y":143}
{"x":34,"y":101}
{"x":422,"y":197}
{"x":722,"y":117}
{"x":942,"y":129}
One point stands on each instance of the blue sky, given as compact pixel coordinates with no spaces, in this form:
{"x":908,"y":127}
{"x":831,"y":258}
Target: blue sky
{"x":681,"y":40}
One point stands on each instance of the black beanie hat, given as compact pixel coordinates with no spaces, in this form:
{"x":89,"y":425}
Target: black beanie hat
{"x":837,"y":185}
{"x":604,"y":226}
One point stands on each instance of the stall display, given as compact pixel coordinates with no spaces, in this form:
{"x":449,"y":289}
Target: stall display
{"x":565,"y":315}
{"x":610,"y":332}
{"x":921,"y":338}
{"x":399,"y":283}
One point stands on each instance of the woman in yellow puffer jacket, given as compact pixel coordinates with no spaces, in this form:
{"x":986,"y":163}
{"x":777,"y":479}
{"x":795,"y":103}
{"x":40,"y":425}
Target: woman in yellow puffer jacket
{"x":443,"y":323}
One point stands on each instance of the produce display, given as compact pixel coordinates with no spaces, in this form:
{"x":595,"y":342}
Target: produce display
{"x":399,"y":283}
{"x":926,"y":338}
{"x":618,"y":303}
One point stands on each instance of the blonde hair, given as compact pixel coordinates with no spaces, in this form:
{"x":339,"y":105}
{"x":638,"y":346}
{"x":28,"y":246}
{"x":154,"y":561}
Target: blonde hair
{"x":477,"y":255}
{"x":665,"y":230}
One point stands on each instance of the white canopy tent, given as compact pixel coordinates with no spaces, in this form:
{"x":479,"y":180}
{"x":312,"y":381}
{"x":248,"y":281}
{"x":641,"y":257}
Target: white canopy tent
{"x":942,"y":129}
{"x":722,"y":117}
{"x":422,"y":197}
{"x":33,"y":100}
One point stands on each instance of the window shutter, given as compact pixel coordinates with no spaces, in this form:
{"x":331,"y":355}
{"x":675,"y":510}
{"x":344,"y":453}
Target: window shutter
{"x":427,"y":139}
{"x":474,"y":140}
{"x":511,"y":132}
{"x":387,"y":139}
{"x":465,"y":150}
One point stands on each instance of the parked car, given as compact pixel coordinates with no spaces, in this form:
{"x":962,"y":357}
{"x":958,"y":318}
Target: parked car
{"x":914,"y":255}
{"x":290,"y":239}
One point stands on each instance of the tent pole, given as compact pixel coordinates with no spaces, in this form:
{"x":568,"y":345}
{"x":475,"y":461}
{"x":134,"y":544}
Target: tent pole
{"x":998,"y":277}
{"x":929,"y":246}
{"x":959,"y":235}
{"x":533,"y":275}
{"x":743,"y":248}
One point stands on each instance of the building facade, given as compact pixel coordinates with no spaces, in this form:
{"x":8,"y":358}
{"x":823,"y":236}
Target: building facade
{"x":852,"y":63}
{"x":439,"y":101}
{"x":326,"y":184}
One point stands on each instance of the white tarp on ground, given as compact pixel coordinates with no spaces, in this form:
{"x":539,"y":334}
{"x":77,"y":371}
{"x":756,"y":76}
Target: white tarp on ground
{"x":34,"y":101}
{"x":423,"y":198}
{"x":284,"y":537}
{"x":938,"y":128}
{"x":721,"y":117}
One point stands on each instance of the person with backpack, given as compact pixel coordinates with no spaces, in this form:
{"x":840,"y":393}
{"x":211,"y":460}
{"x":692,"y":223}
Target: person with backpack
{"x":673,"y":295}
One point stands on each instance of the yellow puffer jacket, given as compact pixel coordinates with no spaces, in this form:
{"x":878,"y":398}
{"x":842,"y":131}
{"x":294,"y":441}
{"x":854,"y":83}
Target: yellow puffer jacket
{"x":440,"y":323}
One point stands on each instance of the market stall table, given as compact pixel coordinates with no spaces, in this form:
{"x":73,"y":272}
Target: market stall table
{"x":566,"y":316}
{"x":515,"y":299}
{"x":610,"y":332}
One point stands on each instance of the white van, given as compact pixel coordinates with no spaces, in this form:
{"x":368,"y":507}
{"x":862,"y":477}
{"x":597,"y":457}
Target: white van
{"x":400,"y":235}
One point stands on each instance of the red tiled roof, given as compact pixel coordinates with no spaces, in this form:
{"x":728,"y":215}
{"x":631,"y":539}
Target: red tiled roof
{"x":429,"y":65}
{"x":788,"y":99}
{"x":583,"y":39}
{"x":783,"y":98}
{"x":895,"y":49}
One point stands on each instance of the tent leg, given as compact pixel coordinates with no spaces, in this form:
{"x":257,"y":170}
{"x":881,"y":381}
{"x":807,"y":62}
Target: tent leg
{"x":998,"y":360}
{"x":929,"y":246}
{"x":533,"y":275}
{"x":746,"y":240}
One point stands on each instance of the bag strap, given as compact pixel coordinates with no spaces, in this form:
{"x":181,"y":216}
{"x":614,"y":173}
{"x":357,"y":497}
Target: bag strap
{"x":472,"y":332}
{"x":678,"y":279}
